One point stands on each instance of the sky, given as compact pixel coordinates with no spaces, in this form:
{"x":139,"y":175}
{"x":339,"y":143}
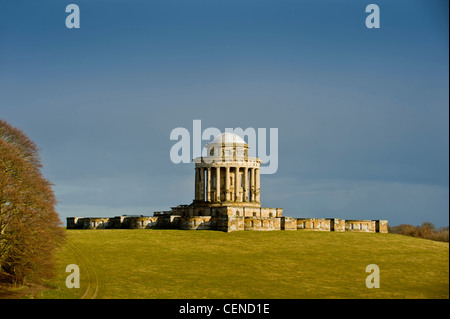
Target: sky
{"x":362,"y":114}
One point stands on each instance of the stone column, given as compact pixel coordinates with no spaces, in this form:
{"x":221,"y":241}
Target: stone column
{"x":227,"y":183}
{"x":196,"y":184}
{"x":252,"y":185}
{"x":258,"y":186}
{"x":245,"y":184}
{"x":237,"y":184}
{"x":202,"y":184}
{"x":208,"y":187}
{"x":218,"y":183}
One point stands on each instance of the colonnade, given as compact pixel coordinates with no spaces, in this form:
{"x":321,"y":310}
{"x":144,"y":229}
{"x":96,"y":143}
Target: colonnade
{"x":209,"y":188}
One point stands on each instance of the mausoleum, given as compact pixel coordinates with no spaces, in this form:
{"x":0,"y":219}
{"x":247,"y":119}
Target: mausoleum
{"x":227,"y":197}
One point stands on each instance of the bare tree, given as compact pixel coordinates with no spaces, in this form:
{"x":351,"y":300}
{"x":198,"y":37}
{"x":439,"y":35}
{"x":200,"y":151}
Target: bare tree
{"x":30,"y":228}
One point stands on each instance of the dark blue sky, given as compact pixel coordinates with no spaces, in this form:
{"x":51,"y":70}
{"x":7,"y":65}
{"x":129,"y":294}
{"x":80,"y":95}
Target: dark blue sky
{"x":362,"y":114}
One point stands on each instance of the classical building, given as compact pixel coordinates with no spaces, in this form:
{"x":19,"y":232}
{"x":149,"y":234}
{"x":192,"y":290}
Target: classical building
{"x":227,"y":190}
{"x":227,"y":197}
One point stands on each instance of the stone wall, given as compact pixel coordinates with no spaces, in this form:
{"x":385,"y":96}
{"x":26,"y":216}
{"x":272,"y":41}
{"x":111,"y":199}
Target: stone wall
{"x":232,"y":223}
{"x":198,"y":223}
{"x":288,"y":223}
{"x":319,"y":224}
{"x":251,"y":211}
{"x":356,"y":225}
{"x":89,"y":222}
{"x":262,"y":223}
{"x":337,"y":224}
{"x":381,"y":226}
{"x":126,"y":222}
{"x":340,"y":225}
{"x":225,"y":219}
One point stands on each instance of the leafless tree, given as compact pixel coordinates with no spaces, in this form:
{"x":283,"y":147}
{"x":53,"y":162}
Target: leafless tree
{"x":30,"y":228}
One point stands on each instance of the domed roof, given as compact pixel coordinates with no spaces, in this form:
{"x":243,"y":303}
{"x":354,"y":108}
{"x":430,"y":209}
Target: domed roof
{"x":228,"y":138}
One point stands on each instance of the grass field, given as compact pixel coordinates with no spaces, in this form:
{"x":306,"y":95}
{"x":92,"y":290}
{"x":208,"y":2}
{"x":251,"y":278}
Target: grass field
{"x":278,"y":264}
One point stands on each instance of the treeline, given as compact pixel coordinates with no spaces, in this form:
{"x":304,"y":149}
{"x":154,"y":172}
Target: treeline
{"x":427,"y":230}
{"x":30,"y":228}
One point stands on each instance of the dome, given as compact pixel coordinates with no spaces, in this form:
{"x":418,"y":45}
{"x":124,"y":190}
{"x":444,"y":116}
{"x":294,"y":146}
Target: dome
{"x":228,"y":138}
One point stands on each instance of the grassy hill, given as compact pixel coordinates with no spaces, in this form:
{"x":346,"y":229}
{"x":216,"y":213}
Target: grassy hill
{"x":278,"y":264}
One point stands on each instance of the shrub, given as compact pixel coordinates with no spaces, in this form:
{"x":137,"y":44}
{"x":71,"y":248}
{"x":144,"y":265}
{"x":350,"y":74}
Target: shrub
{"x":427,"y":230}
